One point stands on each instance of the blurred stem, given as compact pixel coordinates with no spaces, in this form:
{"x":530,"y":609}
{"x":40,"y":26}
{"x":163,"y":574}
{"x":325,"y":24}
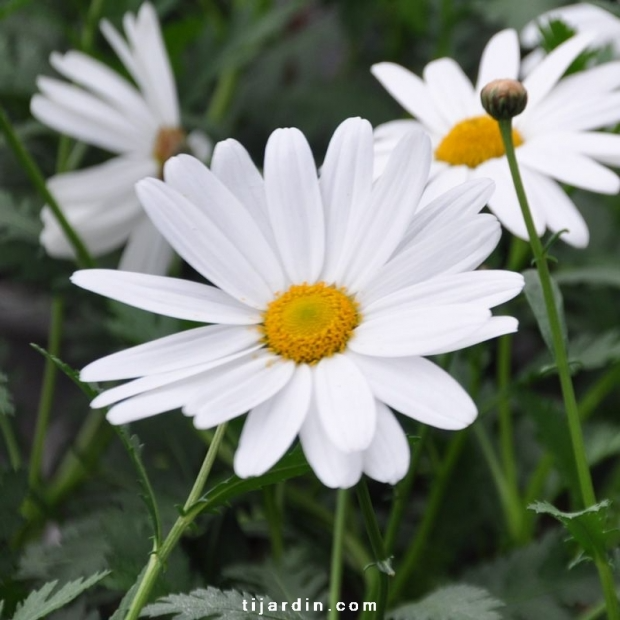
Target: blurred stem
{"x":12,"y":447}
{"x":445,"y":29}
{"x":92,"y":18}
{"x":274,"y":521}
{"x":570,"y":403}
{"x":190,"y":511}
{"x":382,"y":561}
{"x":47,"y":393}
{"x":429,"y":518}
{"x":509,"y":498}
{"x":402,"y":494}
{"x":222,"y":96}
{"x":594,"y":613}
{"x":335,"y":578}
{"x":83,"y":258}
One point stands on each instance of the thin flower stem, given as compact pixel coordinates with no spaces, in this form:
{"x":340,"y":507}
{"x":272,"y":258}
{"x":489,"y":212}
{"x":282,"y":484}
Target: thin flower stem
{"x":92,"y":18}
{"x":83,"y":258}
{"x":335,"y":578}
{"x":402,"y":494}
{"x":405,"y":571}
{"x":274,"y":521}
{"x":190,"y":511}
{"x":382,"y":561}
{"x":12,"y":447}
{"x":570,"y":402}
{"x":220,"y":101}
{"x":47,"y":393}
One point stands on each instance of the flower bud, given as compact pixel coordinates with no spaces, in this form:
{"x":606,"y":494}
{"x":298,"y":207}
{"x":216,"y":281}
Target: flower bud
{"x":503,"y":99}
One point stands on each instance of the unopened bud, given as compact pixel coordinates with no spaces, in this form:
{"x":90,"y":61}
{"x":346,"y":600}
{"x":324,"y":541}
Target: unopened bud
{"x":504,"y":99}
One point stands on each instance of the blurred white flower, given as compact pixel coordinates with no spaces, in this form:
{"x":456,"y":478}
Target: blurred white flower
{"x":331,"y":290}
{"x":582,"y":17}
{"x":553,"y":136}
{"x":141,"y":125}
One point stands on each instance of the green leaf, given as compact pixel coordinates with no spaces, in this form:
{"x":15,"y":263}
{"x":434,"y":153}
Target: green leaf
{"x":133,"y":447}
{"x":224,"y":605}
{"x":41,"y":603}
{"x":587,"y":527}
{"x":592,"y":352}
{"x":292,"y":465}
{"x":458,"y":602}
{"x":534,"y":294}
{"x":599,"y":275}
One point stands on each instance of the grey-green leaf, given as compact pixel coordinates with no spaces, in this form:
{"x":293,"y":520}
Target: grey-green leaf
{"x":458,"y":602}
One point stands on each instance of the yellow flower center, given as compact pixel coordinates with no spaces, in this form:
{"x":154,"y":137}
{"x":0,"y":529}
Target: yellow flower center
{"x":309,"y":322}
{"x":473,"y":141}
{"x":170,"y":141}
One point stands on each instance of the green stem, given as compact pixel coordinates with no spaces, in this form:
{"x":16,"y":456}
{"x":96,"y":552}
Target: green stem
{"x":274,"y":521}
{"x":335,"y":578}
{"x":47,"y":393}
{"x":594,"y":613}
{"x":190,"y":511}
{"x":92,"y":18}
{"x":599,"y":391}
{"x":438,"y":489}
{"x":402,"y":494}
{"x":222,"y":96}
{"x":12,"y":447}
{"x":570,"y":402}
{"x":83,"y":257}
{"x":382,"y":561}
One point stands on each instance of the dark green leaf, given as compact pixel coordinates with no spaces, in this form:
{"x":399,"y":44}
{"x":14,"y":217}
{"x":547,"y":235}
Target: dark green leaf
{"x":6,"y":402}
{"x":534,"y":294}
{"x":601,"y":275}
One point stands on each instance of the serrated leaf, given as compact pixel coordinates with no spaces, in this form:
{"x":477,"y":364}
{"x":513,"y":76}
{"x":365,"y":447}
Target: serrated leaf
{"x":458,"y":602}
{"x":534,"y":295}
{"x":287,"y":580}
{"x":587,"y":527}
{"x":42,"y":602}
{"x":134,"y":448}
{"x":223,"y":605}
{"x":292,"y":465}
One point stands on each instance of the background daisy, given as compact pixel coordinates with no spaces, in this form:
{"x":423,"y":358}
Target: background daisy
{"x":554,"y":138}
{"x":141,"y":124}
{"x":329,"y":293}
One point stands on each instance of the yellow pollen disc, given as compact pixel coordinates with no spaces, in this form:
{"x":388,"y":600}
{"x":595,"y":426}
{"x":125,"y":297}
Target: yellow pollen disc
{"x":473,"y":141}
{"x":170,"y":141}
{"x":310,"y":322}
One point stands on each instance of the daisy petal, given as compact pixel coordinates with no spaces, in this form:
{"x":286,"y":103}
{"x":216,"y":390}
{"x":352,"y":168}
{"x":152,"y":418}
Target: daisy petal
{"x":419,"y":389}
{"x":387,"y":457}
{"x":188,"y":348}
{"x":411,"y":92}
{"x":389,"y":211}
{"x":346,"y":181}
{"x":405,"y":330}
{"x":167,"y":296}
{"x":451,"y":90}
{"x":212,"y":251}
{"x":335,"y":469}
{"x":294,"y":204}
{"x":560,"y":212}
{"x":494,"y":327}
{"x":345,"y":404}
{"x":238,"y":387}
{"x":146,"y":250}
{"x":500,"y":59}
{"x":272,"y":427}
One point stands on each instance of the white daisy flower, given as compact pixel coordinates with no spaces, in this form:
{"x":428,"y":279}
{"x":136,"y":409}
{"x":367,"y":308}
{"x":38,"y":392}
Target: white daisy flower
{"x":582,"y":17}
{"x":141,"y":125}
{"x":553,"y":136}
{"x":330,"y":291}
